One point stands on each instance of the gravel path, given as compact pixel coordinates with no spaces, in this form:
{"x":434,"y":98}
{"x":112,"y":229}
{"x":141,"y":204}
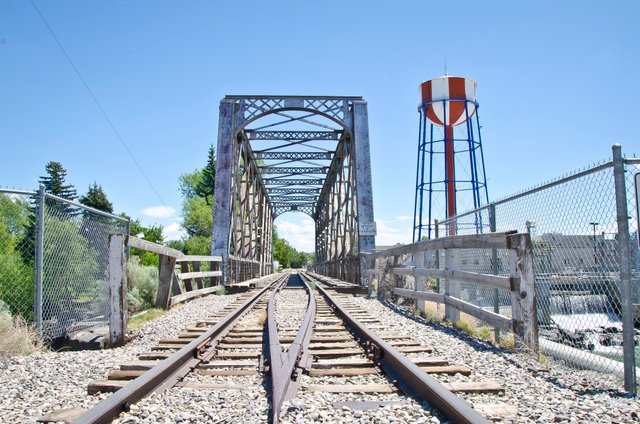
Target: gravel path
{"x":47,"y":381}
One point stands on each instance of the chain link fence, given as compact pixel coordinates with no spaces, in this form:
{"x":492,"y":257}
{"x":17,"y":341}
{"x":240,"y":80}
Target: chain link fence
{"x":580,"y":288}
{"x":54,"y":261}
{"x":17,"y":247}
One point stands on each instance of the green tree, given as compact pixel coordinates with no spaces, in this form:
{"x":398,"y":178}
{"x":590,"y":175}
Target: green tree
{"x":54,"y":181}
{"x":197,"y":193}
{"x":97,"y":199}
{"x":152,"y":234}
{"x":207,"y":182}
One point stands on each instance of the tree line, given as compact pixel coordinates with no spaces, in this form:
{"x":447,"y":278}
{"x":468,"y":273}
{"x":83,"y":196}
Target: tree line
{"x":197,"y":189}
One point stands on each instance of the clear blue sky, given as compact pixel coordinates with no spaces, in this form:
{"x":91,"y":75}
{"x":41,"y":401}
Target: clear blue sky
{"x":557,"y":85}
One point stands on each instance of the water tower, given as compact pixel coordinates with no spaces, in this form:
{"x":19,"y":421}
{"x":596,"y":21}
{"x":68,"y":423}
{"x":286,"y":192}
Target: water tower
{"x":450,"y":176}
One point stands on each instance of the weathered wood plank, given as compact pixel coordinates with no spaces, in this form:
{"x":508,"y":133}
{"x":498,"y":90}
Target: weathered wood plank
{"x":195,"y":293}
{"x":153,"y":247}
{"x":125,"y":374}
{"x":228,"y":364}
{"x":351,"y":388}
{"x":238,"y":355}
{"x":431,"y":297}
{"x":415,"y":349}
{"x":213,"y":386}
{"x":342,"y":372}
{"x":527,"y":290}
{"x":491,"y":318}
{"x":202,"y":274}
{"x":332,"y":345}
{"x":228,"y":373}
{"x":351,"y":363}
{"x":500,"y":282}
{"x":475,"y":387}
{"x":472,"y":241}
{"x":117,"y":290}
{"x":167,"y":271}
{"x":66,"y":415}
{"x":138,"y":365}
{"x":451,"y":285}
{"x":447,"y":369}
{"x":336,"y":352}
{"x":197,"y":258}
{"x":151,"y":356}
{"x":184,"y":268}
{"x":105,"y":386}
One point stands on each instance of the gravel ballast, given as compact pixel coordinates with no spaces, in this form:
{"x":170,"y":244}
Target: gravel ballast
{"x":534,"y":392}
{"x":47,"y":381}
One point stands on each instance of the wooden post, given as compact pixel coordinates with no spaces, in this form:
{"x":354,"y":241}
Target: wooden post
{"x":117,"y":290}
{"x":215,"y":281}
{"x":421,"y":280}
{"x":167,"y":270}
{"x":451,"y":287}
{"x":524,"y":298}
{"x":494,"y":269}
{"x":195,"y":265}
{"x":184,"y":267}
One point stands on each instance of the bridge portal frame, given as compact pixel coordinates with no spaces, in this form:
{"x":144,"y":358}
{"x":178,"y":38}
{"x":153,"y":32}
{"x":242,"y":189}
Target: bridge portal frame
{"x":243,"y":213}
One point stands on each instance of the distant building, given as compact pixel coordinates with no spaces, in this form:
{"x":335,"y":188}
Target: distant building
{"x":562,"y":253}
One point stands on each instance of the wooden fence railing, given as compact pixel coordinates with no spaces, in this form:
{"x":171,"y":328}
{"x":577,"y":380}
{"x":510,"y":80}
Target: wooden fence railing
{"x":520,"y":283}
{"x":174,"y":285}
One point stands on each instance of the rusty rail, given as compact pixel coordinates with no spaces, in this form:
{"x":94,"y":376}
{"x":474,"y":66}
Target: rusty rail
{"x":411,"y":379}
{"x":171,"y":370}
{"x":285,"y":367}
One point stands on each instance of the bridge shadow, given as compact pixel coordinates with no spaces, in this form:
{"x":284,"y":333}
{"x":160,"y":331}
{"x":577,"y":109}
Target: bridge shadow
{"x":507,"y":354}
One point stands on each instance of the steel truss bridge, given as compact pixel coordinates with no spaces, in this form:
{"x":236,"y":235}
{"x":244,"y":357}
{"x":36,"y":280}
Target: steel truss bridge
{"x":306,"y":154}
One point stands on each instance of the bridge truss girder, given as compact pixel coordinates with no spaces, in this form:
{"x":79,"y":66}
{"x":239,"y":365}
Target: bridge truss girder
{"x":246,"y":202}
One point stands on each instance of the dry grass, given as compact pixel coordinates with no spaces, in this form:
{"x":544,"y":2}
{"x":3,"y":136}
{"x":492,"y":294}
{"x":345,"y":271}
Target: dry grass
{"x":508,"y":341}
{"x":466,"y":326}
{"x":16,"y":336}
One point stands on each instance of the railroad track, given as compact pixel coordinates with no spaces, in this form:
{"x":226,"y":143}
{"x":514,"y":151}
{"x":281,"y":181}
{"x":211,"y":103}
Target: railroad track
{"x":298,"y":336}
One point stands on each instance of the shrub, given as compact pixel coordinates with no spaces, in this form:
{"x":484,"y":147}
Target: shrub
{"x":142,"y":283}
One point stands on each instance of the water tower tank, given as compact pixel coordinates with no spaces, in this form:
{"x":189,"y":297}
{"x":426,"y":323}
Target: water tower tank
{"x":449,"y":100}
{"x":450,"y":170}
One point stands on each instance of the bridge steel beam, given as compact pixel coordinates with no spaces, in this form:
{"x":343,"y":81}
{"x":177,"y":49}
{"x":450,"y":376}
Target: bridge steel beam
{"x":246,"y":203}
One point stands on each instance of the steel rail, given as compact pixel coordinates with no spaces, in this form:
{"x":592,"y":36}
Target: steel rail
{"x":411,"y":379}
{"x":171,"y":368}
{"x":285,"y":367}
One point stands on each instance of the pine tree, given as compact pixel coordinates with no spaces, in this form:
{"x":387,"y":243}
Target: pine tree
{"x":207,"y":184}
{"x":97,"y":199}
{"x":54,"y":182}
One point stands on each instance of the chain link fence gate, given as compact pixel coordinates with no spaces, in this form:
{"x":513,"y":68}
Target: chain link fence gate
{"x":587,"y":291}
{"x":54,"y":261}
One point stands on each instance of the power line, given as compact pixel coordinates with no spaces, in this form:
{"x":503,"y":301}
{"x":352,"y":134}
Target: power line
{"x":95,"y":100}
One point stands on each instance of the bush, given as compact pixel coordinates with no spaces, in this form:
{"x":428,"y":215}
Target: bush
{"x":142,"y":284}
{"x":16,"y":337}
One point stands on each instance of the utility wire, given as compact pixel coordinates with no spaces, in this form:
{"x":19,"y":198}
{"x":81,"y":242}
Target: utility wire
{"x":95,"y":100}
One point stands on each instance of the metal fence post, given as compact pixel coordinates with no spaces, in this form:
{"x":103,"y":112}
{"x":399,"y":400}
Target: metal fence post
{"x":494,"y":268}
{"x":39,"y":253}
{"x":622,"y":216}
